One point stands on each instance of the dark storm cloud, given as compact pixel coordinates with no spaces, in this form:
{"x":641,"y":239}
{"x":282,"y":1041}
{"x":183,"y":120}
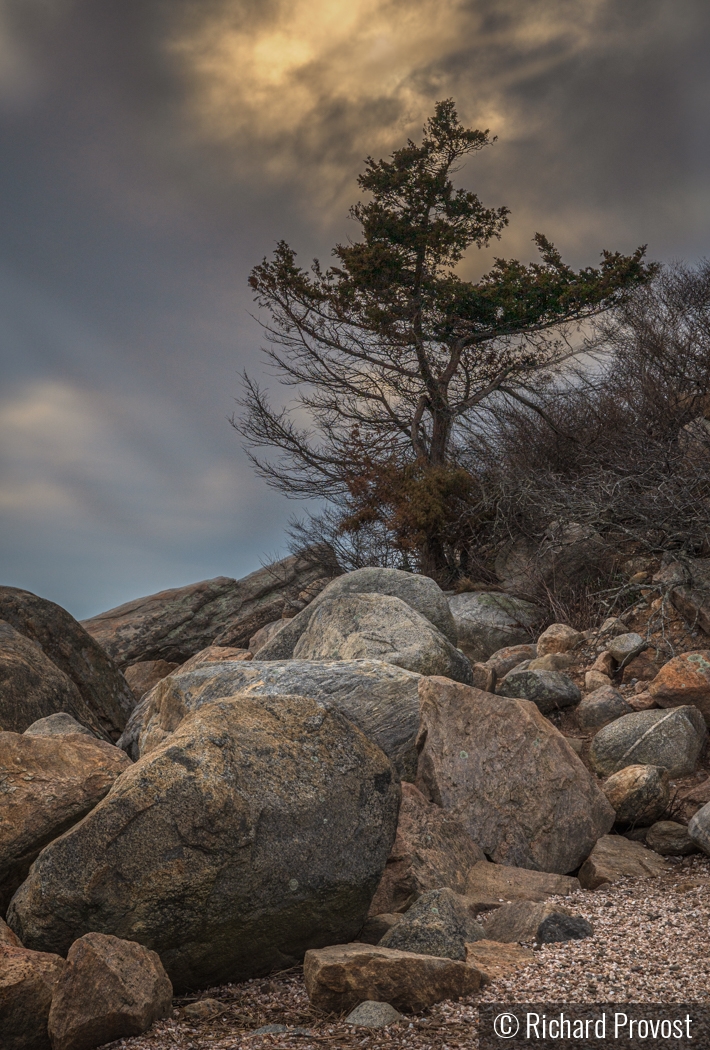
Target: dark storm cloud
{"x":155,"y":149}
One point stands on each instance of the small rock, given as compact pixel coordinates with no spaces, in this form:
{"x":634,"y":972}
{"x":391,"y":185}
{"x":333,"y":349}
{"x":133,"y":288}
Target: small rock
{"x":604,"y":663}
{"x":639,"y":794}
{"x":377,"y":926}
{"x":494,"y":960}
{"x":549,"y":690}
{"x":371,"y":1014}
{"x":613,"y":625}
{"x":340,"y":977}
{"x":486,"y":880}
{"x":60,"y":724}
{"x":539,"y":923}
{"x":673,"y":739}
{"x":670,"y":839}
{"x":642,"y":701}
{"x":594,"y":680}
{"x":625,"y":647}
{"x":601,"y":707}
{"x":110,"y":989}
{"x":27,"y":982}
{"x":558,"y":638}
{"x":613,"y":857}
{"x":504,"y":660}
{"x":203,"y":1009}
{"x":684,"y":680}
{"x":439,"y":923}
{"x":699,"y":828}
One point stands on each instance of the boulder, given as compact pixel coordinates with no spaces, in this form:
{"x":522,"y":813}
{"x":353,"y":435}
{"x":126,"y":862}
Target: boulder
{"x":504,"y":771}
{"x":670,"y":839}
{"x":419,"y":592}
{"x":684,"y":680}
{"x":640,"y":795}
{"x":27,"y":983}
{"x":32,"y":687}
{"x":381,"y":699}
{"x":487,"y":621}
{"x":371,"y":1014}
{"x":672,"y":739}
{"x":258,"y":830}
{"x":531,"y":922}
{"x":431,"y":850}
{"x":624,"y":647}
{"x":557,"y":638}
{"x":60,"y":724}
{"x":568,"y":555}
{"x":549,"y":690}
{"x":340,"y":977}
{"x":699,"y":828}
{"x":439,"y":923}
{"x":103,"y":689}
{"x":494,"y":960}
{"x":174,"y":625}
{"x":510,"y":656}
{"x":600,"y":707}
{"x":615,"y":857}
{"x":48,"y":783}
{"x":144,"y":675}
{"x":109,"y":989}
{"x":379,"y":626}
{"x":499,"y":882}
{"x":214,"y":654}
{"x":265,"y":634}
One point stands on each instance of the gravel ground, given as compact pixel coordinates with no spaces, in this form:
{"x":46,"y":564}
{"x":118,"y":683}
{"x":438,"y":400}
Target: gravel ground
{"x":649,"y":945}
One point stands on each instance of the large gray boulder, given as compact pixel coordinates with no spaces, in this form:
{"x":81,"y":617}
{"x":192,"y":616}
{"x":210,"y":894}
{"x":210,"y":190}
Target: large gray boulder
{"x":487,"y":621}
{"x":176,"y":624}
{"x":419,"y":592}
{"x":379,"y":626}
{"x":381,"y":699}
{"x":550,"y":691}
{"x":506,"y":773}
{"x":672,"y":739}
{"x":103,"y":689}
{"x":258,"y":830}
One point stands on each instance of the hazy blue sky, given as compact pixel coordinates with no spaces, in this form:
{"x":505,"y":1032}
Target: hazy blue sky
{"x":154,"y":150}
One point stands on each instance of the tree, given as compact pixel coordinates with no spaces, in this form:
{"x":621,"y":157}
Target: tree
{"x":391,"y":350}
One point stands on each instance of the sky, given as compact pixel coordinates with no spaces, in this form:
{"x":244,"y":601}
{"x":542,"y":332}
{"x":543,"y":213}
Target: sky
{"x":153,"y":151}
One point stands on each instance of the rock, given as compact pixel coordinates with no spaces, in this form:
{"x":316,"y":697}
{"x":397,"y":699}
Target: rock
{"x":60,"y":724}
{"x":693,"y":798}
{"x":641,"y":702}
{"x":32,"y":687}
{"x":504,"y":771}
{"x":7,"y":936}
{"x":605,"y":663}
{"x":530,"y":922}
{"x":639,"y":794}
{"x":109,"y":989}
{"x":176,"y":624}
{"x":371,"y":1014}
{"x":379,"y":626}
{"x":699,"y":828}
{"x":377,"y":926}
{"x":548,"y":690}
{"x":259,"y":829}
{"x":613,"y":625}
{"x":439,"y":923}
{"x":551,"y":662}
{"x":614,"y":857}
{"x":487,"y":621}
{"x":483,"y":677}
{"x":576,"y":743}
{"x":569,"y":555}
{"x":642,"y":668}
{"x":431,"y":850}
{"x":105,"y":692}
{"x":47,"y":784}
{"x":557,"y":638}
{"x":687,"y":584}
{"x":381,"y":699}
{"x":672,"y":739}
{"x":494,"y":960}
{"x":144,"y":675}
{"x":670,"y":839}
{"x":684,"y":680}
{"x":594,"y":680}
{"x":497,"y":881}
{"x":214,"y":654}
{"x":340,"y":977}
{"x":624,"y":647}
{"x":504,"y":660}
{"x":419,"y":592}
{"x":601,"y":707}
{"x":27,"y":982}
{"x":265,"y":634}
